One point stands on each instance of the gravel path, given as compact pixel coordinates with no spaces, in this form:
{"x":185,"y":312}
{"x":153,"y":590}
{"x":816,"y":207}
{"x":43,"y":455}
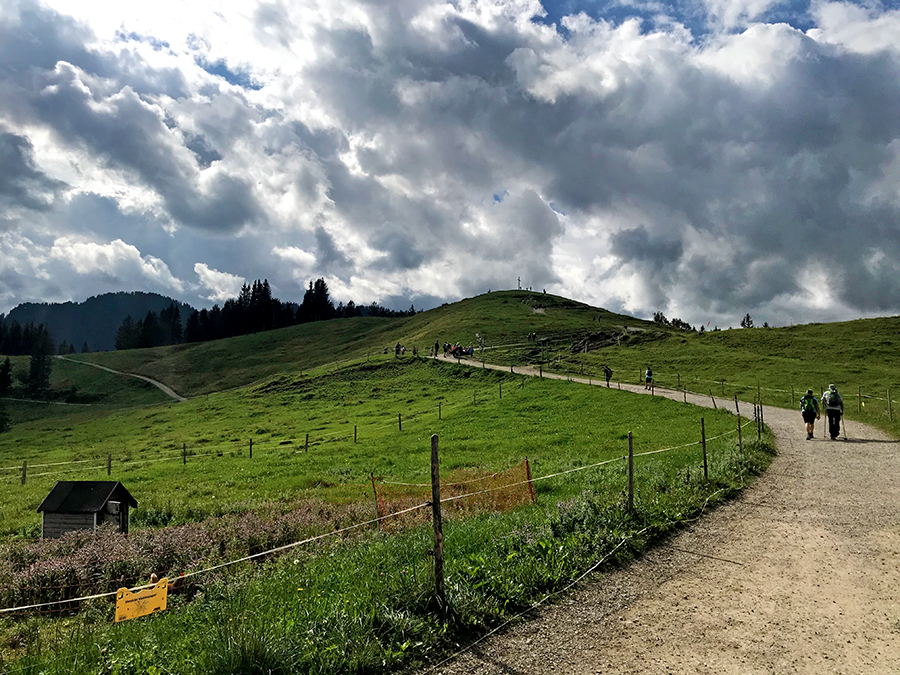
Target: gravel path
{"x":801,"y":574}
{"x":159,"y":385}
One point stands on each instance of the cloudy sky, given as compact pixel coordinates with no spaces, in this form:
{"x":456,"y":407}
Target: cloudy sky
{"x":705,"y":158}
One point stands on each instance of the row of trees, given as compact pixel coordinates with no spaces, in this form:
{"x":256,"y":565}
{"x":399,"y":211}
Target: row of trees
{"x":661,"y":319}
{"x":19,"y":340}
{"x":154,"y":330}
{"x":253,"y":311}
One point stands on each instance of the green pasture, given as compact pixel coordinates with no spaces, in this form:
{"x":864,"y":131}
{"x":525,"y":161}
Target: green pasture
{"x":503,"y":318}
{"x":187,"y":461}
{"x":858,"y":356}
{"x":367,"y":604}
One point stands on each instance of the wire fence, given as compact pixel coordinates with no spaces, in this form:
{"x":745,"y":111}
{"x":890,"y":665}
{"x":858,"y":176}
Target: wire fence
{"x":94,"y":565}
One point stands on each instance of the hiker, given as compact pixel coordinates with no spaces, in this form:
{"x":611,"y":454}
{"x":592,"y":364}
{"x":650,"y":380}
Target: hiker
{"x":607,"y":371}
{"x":809,"y":408}
{"x":436,"y":347}
{"x":834,"y":409}
{"x":648,"y":378}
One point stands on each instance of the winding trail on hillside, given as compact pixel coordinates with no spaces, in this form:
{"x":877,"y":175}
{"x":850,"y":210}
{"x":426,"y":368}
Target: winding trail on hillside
{"x":159,"y":385}
{"x":800,"y":574}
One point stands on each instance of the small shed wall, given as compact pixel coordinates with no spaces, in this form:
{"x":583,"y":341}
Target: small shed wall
{"x":55,"y":524}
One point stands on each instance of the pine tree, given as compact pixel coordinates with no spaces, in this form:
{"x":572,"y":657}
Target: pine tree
{"x":5,"y":376}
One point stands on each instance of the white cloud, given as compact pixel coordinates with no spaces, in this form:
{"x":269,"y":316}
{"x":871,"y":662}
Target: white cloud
{"x":363,"y":143}
{"x":115,"y":259}
{"x":218,"y":286}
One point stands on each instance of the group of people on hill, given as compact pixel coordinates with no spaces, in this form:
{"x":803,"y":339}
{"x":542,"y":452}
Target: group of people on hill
{"x":834,"y":409}
{"x":456,"y":349}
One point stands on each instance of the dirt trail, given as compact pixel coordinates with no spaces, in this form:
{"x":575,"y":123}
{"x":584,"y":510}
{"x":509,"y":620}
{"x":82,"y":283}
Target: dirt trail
{"x":159,"y":385}
{"x":799,"y":575}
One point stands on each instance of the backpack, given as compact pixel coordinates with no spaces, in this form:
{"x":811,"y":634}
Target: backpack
{"x":807,"y":403}
{"x":833,"y":399}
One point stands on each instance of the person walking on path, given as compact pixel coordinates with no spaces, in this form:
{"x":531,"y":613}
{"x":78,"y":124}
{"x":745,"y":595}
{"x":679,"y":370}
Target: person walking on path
{"x":607,"y":371}
{"x":648,"y":378}
{"x":809,"y":408}
{"x":834,"y":409}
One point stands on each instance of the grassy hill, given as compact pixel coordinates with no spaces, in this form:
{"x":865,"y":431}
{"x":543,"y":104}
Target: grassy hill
{"x":363,"y":602}
{"x":503,"y":318}
{"x":858,"y":356}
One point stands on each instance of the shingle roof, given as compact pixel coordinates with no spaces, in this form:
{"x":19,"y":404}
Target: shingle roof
{"x":85,"y":496}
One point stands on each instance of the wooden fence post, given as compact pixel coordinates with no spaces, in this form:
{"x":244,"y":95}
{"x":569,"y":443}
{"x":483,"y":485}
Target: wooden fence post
{"x":736,"y":409}
{"x":375,"y":498}
{"x":723,"y":387}
{"x":679,"y":380}
{"x":792,"y":397}
{"x":306,"y":444}
{"x":24,"y":471}
{"x":630,"y":473}
{"x":184,"y":453}
{"x":436,"y":519}
{"x":439,"y":410}
{"x":251,"y":448}
{"x":109,"y":464}
{"x":703,"y":443}
{"x":530,"y":484}
{"x":354,"y":434}
{"x":684,"y":391}
{"x":715,"y":407}
{"x":890,"y":406}
{"x":399,"y":423}
{"x":541,"y":370}
{"x":740,"y":440}
{"x":501,"y":391}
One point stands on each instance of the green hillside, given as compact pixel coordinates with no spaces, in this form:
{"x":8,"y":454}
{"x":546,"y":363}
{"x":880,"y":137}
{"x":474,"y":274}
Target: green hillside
{"x":503,"y":318}
{"x":328,"y":414}
{"x":858,"y":356}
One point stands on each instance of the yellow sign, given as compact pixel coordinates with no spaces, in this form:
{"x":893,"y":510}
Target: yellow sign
{"x":132,"y":605}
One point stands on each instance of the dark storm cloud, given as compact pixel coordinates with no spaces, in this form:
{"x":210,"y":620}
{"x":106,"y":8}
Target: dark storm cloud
{"x":21,"y":183}
{"x":329,"y":256}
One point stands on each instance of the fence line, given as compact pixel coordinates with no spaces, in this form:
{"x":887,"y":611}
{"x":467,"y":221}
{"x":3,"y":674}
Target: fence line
{"x":231,"y":446}
{"x":377,"y":520}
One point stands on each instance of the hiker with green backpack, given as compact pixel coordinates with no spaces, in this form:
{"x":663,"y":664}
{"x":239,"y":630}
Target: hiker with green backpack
{"x":809,"y":408}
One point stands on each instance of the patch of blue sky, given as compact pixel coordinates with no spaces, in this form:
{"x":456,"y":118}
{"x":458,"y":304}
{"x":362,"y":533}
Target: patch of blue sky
{"x":220,"y":68}
{"x":692,"y":14}
{"x":555,"y":208}
{"x":157,"y":44}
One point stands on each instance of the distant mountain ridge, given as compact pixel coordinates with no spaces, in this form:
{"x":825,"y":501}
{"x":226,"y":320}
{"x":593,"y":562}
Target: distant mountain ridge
{"x":96,"y":320}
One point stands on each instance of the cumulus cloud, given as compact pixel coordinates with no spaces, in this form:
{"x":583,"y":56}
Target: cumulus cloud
{"x":704,"y":159}
{"x":218,"y":286}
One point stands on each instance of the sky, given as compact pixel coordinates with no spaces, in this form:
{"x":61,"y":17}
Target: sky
{"x":703,"y":158}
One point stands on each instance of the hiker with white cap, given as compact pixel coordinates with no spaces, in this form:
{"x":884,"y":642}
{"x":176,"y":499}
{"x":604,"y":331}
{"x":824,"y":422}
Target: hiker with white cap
{"x":834,"y":408}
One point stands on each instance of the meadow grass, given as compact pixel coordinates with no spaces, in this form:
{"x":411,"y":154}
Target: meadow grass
{"x":367,"y":604}
{"x":557,"y":425}
{"x":858,"y":356}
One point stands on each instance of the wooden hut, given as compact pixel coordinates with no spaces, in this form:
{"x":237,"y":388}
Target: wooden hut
{"x":84,"y":505}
